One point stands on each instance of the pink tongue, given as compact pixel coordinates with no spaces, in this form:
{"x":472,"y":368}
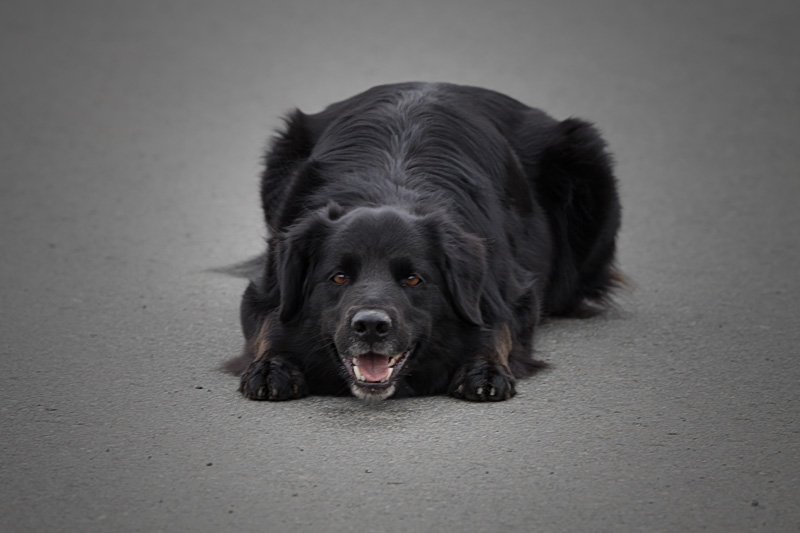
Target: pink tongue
{"x":373,"y":367}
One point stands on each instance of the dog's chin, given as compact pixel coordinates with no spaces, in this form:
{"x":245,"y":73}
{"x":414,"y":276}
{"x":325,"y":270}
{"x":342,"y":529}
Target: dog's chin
{"x":371,"y":395}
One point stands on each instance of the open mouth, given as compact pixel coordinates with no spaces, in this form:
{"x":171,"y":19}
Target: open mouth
{"x":374,"y":370}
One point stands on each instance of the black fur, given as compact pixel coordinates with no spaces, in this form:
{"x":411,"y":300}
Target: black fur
{"x":504,"y":213}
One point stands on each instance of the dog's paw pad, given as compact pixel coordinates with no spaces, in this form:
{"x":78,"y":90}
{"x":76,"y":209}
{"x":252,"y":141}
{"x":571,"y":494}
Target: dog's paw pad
{"x":272,"y":379}
{"x":483,"y":381}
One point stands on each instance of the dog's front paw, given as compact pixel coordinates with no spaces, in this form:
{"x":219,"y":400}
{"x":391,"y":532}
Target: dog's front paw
{"x":483,"y":381}
{"x":274,"y":378}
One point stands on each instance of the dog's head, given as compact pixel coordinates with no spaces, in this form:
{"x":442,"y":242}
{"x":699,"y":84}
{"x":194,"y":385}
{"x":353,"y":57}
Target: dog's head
{"x":374,"y":282}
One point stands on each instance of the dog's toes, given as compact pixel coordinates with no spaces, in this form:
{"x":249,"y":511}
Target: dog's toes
{"x":483,"y":381}
{"x":272,"y":379}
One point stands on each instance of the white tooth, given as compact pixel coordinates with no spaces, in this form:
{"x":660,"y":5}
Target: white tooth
{"x":358,"y":374}
{"x":355,"y":361}
{"x":388,"y":375}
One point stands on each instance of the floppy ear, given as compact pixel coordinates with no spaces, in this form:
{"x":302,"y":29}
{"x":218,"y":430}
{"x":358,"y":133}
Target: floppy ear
{"x":463,"y":264}
{"x":296,"y":252}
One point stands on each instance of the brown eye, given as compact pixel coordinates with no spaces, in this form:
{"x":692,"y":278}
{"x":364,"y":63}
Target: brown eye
{"x":412,"y":281}
{"x":340,"y":279}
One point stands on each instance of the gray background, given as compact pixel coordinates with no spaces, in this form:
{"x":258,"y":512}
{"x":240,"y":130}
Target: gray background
{"x":130,"y":138}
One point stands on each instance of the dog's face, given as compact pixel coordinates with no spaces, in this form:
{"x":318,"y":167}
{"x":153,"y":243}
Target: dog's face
{"x":373,"y":282}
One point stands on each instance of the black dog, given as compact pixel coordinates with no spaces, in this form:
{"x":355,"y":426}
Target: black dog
{"x":418,"y":233}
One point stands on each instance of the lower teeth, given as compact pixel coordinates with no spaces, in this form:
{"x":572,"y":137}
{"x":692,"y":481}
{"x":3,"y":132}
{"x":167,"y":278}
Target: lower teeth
{"x":360,"y":376}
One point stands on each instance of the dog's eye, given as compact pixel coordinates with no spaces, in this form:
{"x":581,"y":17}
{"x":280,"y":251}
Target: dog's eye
{"x":412,"y":281}
{"x":340,"y":279}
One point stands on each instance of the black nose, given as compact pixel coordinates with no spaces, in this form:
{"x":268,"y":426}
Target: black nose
{"x":371,"y":325}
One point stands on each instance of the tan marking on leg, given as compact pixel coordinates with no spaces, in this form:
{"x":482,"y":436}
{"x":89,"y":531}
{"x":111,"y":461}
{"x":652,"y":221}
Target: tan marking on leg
{"x":502,"y":344}
{"x":260,"y":343}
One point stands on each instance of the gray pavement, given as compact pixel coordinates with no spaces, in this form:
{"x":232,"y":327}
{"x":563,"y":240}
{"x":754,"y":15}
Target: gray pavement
{"x":130,"y":137}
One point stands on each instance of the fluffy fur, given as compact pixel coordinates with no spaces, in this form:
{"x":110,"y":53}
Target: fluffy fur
{"x":417,"y":234}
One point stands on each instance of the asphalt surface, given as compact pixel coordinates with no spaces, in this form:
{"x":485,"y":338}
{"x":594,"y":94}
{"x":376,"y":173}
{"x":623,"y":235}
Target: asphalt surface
{"x":130,"y":139}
